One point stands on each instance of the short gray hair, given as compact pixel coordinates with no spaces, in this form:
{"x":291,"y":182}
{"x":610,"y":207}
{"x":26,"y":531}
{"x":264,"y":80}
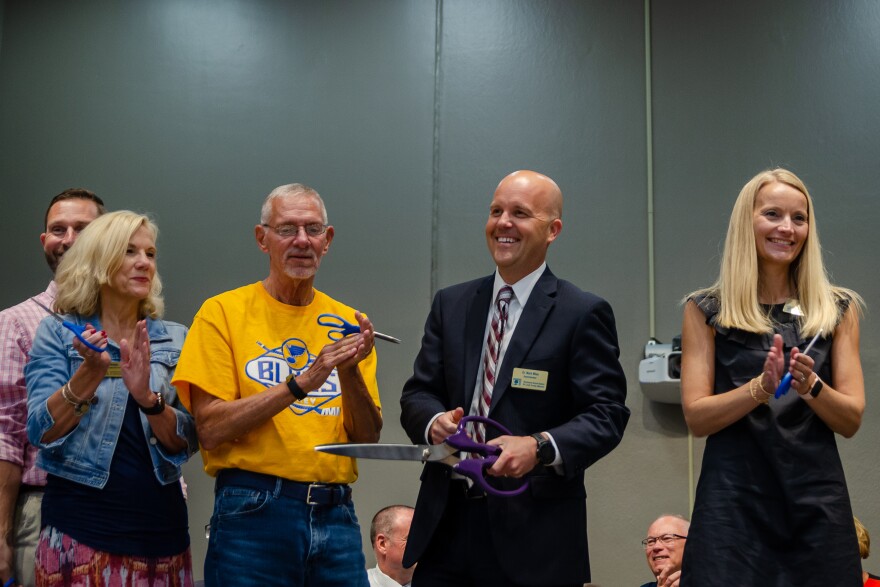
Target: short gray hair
{"x":687,"y":523}
{"x":298,"y":190}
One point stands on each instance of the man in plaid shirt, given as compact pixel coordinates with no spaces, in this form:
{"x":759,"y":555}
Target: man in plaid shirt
{"x":21,"y":482}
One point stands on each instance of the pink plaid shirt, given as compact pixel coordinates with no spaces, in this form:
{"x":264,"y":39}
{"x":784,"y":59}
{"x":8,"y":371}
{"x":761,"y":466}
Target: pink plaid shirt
{"x":18,"y":325}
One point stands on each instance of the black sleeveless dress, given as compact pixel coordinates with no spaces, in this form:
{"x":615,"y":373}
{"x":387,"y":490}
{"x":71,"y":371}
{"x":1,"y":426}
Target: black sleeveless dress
{"x":772,"y":508}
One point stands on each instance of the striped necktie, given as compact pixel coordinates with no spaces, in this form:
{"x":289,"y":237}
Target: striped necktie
{"x":490,"y":356}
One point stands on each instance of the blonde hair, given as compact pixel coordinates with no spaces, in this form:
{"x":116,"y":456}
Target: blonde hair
{"x":95,"y":258}
{"x":864,"y":539}
{"x":737,"y":286}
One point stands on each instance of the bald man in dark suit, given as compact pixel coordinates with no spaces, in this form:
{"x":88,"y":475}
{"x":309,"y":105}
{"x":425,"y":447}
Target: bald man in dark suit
{"x":540,"y":356}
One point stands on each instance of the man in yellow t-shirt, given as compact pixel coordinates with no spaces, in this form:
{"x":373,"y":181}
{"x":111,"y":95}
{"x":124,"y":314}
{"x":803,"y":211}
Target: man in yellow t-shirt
{"x":266,"y":380}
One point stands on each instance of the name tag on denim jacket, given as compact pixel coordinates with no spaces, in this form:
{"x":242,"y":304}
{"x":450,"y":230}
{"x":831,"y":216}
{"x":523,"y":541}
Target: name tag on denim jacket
{"x":114,"y":370}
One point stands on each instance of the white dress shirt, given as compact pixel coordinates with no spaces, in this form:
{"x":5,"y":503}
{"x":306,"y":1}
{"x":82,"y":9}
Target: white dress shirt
{"x":522,"y":290}
{"x":379,"y":579}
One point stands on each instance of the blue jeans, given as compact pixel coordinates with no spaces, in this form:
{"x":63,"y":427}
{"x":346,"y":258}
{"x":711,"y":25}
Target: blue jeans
{"x":261,"y":537}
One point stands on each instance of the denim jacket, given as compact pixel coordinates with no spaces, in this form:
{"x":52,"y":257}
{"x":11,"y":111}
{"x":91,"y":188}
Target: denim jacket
{"x":84,"y":454}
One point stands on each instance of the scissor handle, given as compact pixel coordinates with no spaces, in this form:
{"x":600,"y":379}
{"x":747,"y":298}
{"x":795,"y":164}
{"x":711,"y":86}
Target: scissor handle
{"x":783,"y":386}
{"x":342,"y":327}
{"x":476,"y":468}
{"x":462,"y":441}
{"x":77,"y":330}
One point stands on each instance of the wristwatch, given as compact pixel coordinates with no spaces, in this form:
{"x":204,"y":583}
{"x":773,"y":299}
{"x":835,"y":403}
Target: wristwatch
{"x":546,"y":453}
{"x":156,"y":408}
{"x":294,"y":388}
{"x":817,"y":387}
{"x":814,"y":390}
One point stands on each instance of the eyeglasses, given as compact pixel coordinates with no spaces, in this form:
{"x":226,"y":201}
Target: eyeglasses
{"x":665,"y":539}
{"x":288,"y":230}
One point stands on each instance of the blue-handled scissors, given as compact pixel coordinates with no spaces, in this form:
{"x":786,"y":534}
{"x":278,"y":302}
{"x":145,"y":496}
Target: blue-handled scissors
{"x":785,"y":384}
{"x":471,"y":467}
{"x":74,"y":328}
{"x":340,"y":328}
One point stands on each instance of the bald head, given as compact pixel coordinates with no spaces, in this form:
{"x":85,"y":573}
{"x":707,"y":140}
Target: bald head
{"x":524,"y":218}
{"x":389,"y":533}
{"x":545,"y":191}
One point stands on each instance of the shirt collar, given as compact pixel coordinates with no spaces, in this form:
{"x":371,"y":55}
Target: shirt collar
{"x":522,"y":289}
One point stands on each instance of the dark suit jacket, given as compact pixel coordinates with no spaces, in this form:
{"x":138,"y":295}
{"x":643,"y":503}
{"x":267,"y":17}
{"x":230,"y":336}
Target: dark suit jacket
{"x":540,"y":536}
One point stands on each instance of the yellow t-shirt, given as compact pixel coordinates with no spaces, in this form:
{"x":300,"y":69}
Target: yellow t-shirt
{"x":244,"y":341}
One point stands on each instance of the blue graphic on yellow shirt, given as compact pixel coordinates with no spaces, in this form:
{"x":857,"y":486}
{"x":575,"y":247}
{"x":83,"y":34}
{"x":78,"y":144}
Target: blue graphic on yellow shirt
{"x":293,"y":356}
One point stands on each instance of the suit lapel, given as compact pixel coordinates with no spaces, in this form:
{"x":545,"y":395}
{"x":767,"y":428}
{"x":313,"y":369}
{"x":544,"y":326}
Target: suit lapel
{"x":541,"y":301}
{"x":475,"y":326}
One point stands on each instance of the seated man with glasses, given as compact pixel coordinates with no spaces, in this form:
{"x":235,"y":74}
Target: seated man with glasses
{"x":664,"y":548}
{"x":266,"y":380}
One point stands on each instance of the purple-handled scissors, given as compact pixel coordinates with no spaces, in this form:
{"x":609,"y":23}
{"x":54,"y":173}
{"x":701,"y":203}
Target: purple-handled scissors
{"x":471,"y":467}
{"x":76,"y":329}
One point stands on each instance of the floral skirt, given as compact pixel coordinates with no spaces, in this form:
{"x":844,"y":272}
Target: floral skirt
{"x":63,"y":562}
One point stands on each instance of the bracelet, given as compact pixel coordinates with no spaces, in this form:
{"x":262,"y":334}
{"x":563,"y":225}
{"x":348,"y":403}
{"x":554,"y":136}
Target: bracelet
{"x":68,"y":395}
{"x":80,"y":407}
{"x":753,"y":385}
{"x":760,"y":379}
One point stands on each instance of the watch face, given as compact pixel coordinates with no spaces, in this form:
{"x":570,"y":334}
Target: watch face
{"x":546,"y":452}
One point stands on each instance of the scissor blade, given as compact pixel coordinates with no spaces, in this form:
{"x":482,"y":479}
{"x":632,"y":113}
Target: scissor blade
{"x":51,"y":313}
{"x":387,"y":337}
{"x":389,"y":452}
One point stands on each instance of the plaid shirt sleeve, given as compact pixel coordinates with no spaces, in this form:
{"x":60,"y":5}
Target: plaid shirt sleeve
{"x":15,"y":342}
{"x":17,"y":327}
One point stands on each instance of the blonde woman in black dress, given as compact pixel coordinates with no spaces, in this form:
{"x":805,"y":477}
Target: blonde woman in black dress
{"x":772,"y":506}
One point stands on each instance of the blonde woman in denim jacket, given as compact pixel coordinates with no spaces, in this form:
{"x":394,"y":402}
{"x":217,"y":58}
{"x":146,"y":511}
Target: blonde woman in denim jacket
{"x":112,"y":434}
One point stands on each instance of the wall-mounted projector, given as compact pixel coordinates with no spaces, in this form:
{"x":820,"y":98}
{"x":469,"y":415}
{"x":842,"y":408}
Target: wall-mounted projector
{"x":660,"y":372}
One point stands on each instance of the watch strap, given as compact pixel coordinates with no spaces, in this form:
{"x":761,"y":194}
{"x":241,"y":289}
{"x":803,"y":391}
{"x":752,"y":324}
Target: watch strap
{"x":156,"y":408}
{"x":813,"y":391}
{"x":817,"y":387}
{"x":294,"y":388}
{"x":546,"y":454}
